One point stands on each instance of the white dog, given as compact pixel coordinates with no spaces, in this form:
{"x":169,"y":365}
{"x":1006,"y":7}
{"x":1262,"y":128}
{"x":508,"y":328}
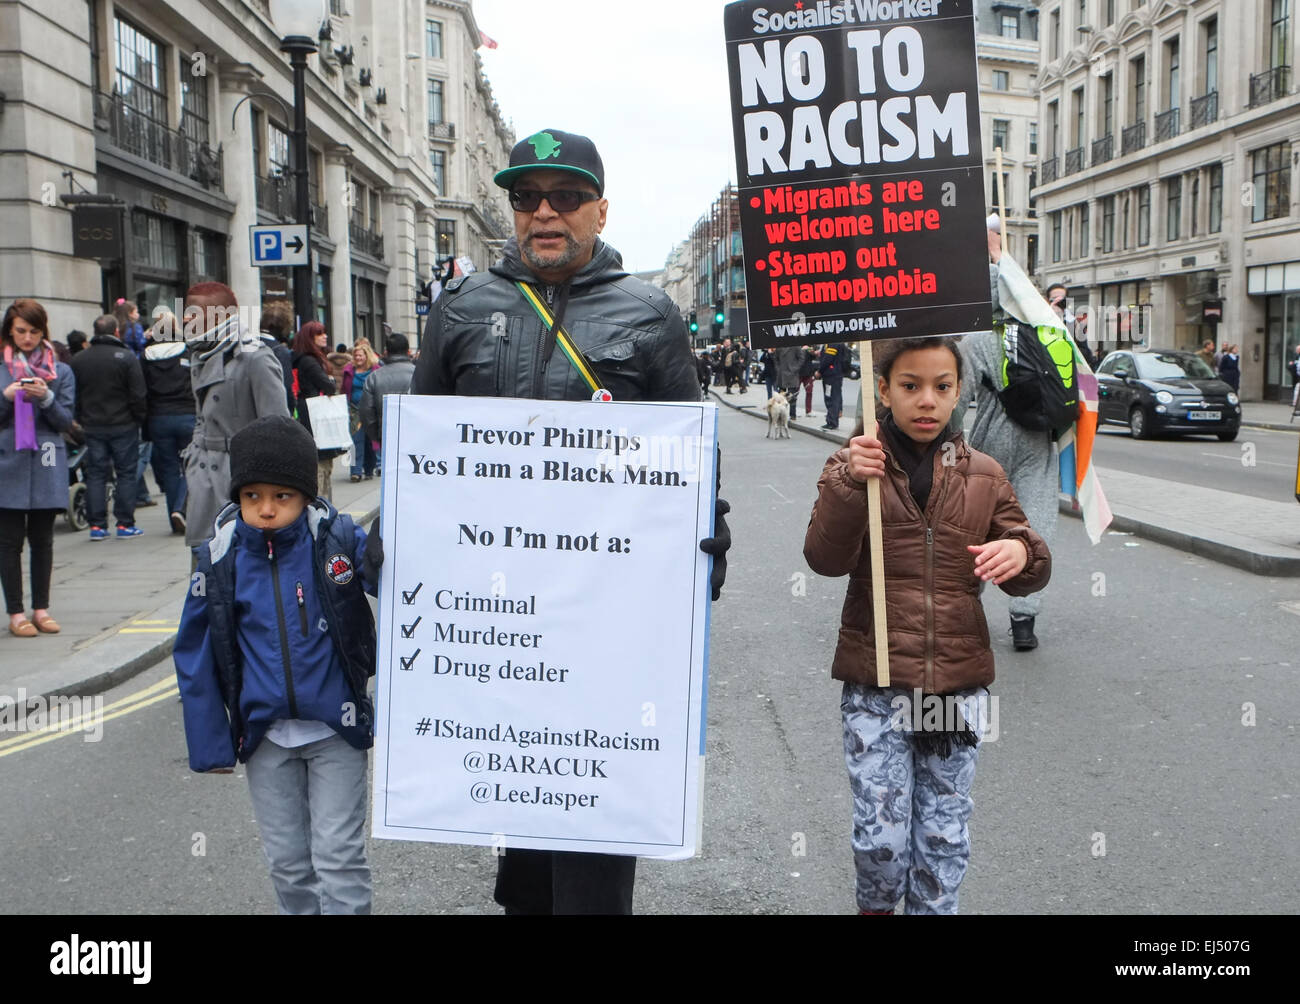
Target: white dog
{"x":778,"y":416}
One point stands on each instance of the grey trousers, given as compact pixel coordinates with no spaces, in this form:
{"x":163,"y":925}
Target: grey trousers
{"x":910,"y":811}
{"x":1035,"y":477}
{"x":325,"y":479}
{"x":310,"y":804}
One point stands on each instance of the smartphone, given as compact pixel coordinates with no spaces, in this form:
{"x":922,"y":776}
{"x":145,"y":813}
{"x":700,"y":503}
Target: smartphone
{"x":27,"y":382}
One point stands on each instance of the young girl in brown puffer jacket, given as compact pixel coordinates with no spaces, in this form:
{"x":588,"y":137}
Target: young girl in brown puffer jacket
{"x":950,"y":522}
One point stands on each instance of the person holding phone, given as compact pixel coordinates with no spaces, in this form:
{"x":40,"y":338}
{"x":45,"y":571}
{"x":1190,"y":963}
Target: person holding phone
{"x":37,"y":400}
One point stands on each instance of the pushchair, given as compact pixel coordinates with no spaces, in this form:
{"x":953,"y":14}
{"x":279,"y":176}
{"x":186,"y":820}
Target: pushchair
{"x":77,"y":489}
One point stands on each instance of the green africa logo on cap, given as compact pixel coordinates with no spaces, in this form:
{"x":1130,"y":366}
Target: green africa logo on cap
{"x":545,"y":145}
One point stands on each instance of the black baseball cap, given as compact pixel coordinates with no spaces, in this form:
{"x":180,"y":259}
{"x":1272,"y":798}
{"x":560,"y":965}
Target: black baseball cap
{"x":554,"y":150}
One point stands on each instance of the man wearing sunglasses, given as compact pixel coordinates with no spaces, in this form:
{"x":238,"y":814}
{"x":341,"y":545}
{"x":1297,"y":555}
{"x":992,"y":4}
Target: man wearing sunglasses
{"x":484,"y":337}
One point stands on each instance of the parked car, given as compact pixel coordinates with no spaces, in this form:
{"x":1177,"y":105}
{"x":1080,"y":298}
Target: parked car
{"x":1166,"y":392}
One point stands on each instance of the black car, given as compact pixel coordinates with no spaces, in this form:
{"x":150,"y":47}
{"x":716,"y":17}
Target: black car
{"x":1155,"y":392}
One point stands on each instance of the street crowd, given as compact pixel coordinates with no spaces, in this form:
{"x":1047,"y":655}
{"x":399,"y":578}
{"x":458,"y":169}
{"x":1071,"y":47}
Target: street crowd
{"x":788,"y":370}
{"x":286,"y":694}
{"x":101,"y":411}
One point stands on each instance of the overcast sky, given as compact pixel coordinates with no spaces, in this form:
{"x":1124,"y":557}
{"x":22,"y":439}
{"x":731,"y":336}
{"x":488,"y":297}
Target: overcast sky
{"x":647,"y":82}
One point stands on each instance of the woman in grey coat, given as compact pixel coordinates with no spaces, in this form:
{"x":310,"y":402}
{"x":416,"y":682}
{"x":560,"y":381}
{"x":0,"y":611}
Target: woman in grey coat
{"x":236,"y":380}
{"x":37,"y":403}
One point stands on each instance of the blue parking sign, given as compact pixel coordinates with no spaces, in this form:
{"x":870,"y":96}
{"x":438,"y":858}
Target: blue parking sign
{"x":285,"y":245}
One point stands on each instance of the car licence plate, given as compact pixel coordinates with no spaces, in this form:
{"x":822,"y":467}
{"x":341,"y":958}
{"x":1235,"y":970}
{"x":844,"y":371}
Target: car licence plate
{"x":1204,"y":416}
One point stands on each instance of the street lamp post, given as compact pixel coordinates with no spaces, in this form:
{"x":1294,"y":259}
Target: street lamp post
{"x":300,"y":21}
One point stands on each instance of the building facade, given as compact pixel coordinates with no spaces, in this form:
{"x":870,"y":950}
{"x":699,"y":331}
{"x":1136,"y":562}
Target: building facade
{"x":1006,"y":43}
{"x":1168,"y":185}
{"x":179,"y":114}
{"x":718,"y":268}
{"x":678,"y":280}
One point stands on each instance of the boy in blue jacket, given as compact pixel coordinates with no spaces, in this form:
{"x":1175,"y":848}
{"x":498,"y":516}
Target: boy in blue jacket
{"x":275,"y":646}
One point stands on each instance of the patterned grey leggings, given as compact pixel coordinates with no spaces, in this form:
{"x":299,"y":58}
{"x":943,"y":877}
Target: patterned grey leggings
{"x":910,"y":811}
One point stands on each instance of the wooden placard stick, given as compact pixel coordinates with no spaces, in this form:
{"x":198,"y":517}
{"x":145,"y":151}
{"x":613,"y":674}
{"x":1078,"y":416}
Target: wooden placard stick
{"x":875,"y":538}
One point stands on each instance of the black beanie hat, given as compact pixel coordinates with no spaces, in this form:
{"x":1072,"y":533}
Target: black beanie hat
{"x":274,"y":450}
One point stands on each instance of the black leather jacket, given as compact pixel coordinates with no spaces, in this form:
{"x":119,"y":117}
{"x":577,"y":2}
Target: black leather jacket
{"x":483,"y":339}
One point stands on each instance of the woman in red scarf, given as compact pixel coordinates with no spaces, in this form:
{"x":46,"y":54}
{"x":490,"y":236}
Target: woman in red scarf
{"x":37,"y":397}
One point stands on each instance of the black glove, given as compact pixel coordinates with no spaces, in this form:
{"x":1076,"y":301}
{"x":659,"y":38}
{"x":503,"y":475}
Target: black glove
{"x":718,"y":545}
{"x":372,"y":558}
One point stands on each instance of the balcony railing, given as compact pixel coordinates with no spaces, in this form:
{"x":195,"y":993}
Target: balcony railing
{"x":442,"y":130}
{"x":274,"y":195}
{"x":366,"y":240}
{"x":1269,"y":85}
{"x":1167,"y":124}
{"x":1103,"y":150}
{"x":1133,"y":138}
{"x":1205,"y":110}
{"x":135,"y":133}
{"x":1074,"y":160}
{"x":1051,"y":170}
{"x":497,"y":224}
{"x":320,"y":213}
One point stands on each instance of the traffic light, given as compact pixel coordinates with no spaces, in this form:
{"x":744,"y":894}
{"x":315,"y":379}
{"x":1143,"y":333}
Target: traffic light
{"x":695,"y":324}
{"x":719,"y":318}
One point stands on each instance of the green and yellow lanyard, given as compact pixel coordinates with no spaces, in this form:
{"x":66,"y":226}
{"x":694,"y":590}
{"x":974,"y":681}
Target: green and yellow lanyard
{"x":567,"y":345}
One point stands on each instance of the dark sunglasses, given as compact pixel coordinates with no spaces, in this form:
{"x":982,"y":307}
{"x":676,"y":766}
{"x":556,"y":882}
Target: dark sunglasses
{"x":562,"y":200}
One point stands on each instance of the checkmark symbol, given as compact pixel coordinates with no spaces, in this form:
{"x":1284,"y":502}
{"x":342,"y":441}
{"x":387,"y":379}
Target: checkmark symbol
{"x":409,"y":598}
{"x":408,"y":630}
{"x":409,"y":661}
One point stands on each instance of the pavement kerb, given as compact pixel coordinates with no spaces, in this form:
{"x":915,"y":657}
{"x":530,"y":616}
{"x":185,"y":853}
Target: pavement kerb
{"x":1270,"y":426}
{"x":86,"y":668}
{"x":1215,"y":550}
{"x":1223,"y":553}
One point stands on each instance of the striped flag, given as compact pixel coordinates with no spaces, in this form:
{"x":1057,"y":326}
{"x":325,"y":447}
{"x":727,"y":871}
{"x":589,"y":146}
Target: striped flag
{"x":1078,"y":476}
{"x":1021,"y":299}
{"x":486,"y":40}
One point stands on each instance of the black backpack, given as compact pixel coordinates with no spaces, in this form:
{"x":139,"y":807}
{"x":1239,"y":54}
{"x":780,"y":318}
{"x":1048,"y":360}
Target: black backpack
{"x":1039,"y":390}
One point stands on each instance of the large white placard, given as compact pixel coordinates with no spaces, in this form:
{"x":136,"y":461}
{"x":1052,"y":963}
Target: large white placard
{"x":543,"y":639}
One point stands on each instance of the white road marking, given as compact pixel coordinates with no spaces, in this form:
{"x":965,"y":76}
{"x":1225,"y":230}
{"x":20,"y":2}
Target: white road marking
{"x":1237,"y":458}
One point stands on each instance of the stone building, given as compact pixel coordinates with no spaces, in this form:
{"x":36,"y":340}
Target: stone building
{"x":1006,"y":43}
{"x":678,"y":281}
{"x":1168,"y":191}
{"x":180,"y":112}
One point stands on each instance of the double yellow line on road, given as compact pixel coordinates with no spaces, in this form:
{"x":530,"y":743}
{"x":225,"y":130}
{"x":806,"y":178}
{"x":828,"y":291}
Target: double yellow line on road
{"x":76,"y":725}
{"x":150,"y":627}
